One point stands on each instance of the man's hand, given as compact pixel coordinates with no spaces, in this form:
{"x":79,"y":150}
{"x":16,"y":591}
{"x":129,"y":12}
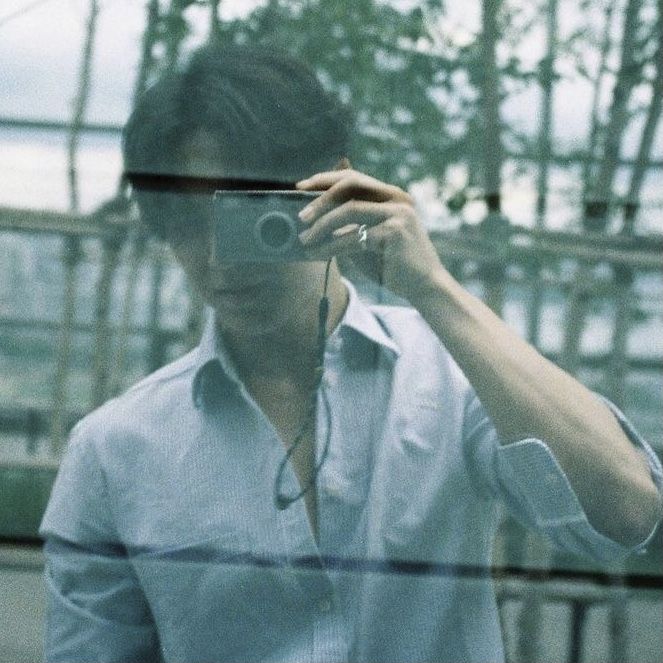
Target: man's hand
{"x":525,"y":395}
{"x":350,"y":199}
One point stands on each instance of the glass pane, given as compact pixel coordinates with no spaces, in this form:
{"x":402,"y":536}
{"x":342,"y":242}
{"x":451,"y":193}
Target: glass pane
{"x":285,"y":458}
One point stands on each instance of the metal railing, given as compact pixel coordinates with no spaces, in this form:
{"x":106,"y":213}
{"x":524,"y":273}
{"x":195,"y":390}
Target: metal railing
{"x":579,"y":268}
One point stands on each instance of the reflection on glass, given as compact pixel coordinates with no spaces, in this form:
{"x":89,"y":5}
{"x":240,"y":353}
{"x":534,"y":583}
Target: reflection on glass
{"x":340,"y":452}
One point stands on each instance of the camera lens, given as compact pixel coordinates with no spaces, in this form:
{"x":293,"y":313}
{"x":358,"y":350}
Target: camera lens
{"x":276,"y":232}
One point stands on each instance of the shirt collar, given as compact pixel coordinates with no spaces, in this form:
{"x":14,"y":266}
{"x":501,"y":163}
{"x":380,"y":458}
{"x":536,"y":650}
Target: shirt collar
{"x":361,"y":319}
{"x":215,"y":371}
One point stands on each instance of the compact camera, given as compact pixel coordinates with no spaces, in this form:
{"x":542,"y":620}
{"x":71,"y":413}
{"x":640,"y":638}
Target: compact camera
{"x":259,"y":226}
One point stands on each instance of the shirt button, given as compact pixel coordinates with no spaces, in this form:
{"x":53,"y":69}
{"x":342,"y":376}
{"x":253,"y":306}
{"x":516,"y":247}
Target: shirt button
{"x":334,"y":484}
{"x":551,"y":478}
{"x":325,"y":605}
{"x":334,"y":343}
{"x":330,"y":378}
{"x":333,"y":488}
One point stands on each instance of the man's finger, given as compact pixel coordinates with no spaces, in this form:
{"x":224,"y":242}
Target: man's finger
{"x":321,"y":181}
{"x":353,"y":213}
{"x":343,"y":164}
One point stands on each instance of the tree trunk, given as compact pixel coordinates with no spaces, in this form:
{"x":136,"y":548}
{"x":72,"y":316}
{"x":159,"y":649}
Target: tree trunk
{"x":147,"y":57}
{"x":649,"y":131}
{"x":595,"y":124}
{"x":156,"y":349}
{"x":111,"y":246}
{"x":72,"y":250}
{"x":214,"y":21}
{"x":492,"y":272}
{"x":627,"y":78}
{"x":490,"y":104}
{"x":176,"y":29}
{"x":545,"y":129}
{"x":547,"y":73}
{"x":80,"y":105}
{"x":624,"y":275}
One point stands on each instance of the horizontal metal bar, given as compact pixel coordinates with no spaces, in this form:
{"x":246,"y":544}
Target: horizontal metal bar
{"x":31,"y":422}
{"x":518,"y":244}
{"x":58,"y":125}
{"x":521,"y":233}
{"x":174,"y":335}
{"x":116,"y":130}
{"x":453,"y":246}
{"x":13,"y":323}
{"x":31,"y":221}
{"x":614,"y":581}
{"x":546,"y":595}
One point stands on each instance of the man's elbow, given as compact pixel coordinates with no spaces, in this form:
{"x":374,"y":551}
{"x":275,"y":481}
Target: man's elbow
{"x":642,"y":512}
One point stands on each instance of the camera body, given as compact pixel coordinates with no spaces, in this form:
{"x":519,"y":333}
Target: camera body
{"x":259,"y":226}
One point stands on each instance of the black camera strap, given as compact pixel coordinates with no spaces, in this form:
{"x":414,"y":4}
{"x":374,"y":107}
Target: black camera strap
{"x":281,"y":500}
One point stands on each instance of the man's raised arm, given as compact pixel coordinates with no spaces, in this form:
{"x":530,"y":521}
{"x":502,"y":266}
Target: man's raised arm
{"x":525,"y":395}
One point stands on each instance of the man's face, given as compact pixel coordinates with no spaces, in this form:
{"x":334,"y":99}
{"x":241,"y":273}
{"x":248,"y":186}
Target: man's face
{"x":259,"y":297}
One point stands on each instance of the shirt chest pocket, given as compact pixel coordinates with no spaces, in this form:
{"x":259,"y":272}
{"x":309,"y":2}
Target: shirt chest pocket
{"x":415,"y":468}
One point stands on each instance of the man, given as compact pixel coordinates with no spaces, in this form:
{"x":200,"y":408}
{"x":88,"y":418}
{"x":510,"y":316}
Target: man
{"x":264,"y":498}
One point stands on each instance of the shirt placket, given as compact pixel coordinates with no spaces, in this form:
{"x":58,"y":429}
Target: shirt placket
{"x":298,"y":549}
{"x":329,"y":641}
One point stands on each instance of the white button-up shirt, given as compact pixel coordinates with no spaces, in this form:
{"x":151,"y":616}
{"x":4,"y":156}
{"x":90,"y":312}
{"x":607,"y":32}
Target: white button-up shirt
{"x":163,"y":541}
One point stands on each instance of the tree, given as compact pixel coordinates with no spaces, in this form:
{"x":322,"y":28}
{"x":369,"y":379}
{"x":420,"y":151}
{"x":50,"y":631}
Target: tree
{"x":378,"y":60}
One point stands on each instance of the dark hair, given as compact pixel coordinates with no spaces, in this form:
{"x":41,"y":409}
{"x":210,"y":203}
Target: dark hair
{"x":269,"y":114}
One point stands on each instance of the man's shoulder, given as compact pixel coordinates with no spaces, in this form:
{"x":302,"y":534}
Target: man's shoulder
{"x":397,"y":313}
{"x":422,"y":352}
{"x":181,"y":368}
{"x":407,"y":328}
{"x":154,"y":393}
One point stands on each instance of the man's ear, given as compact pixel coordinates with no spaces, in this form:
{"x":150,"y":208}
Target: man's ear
{"x":343,"y":164}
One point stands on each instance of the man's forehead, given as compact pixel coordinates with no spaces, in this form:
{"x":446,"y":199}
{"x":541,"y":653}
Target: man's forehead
{"x":202,"y":155}
{"x":201,"y":166}
{"x":203,"y":162}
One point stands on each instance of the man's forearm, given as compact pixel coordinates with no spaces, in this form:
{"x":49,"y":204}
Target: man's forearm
{"x":528,"y":396}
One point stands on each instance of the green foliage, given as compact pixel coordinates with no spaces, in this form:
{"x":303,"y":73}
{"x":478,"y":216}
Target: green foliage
{"x":371,"y":56}
{"x":416,"y":89}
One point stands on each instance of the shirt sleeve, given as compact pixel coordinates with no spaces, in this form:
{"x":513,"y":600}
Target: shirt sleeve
{"x":526,"y":476}
{"x":96,"y":610}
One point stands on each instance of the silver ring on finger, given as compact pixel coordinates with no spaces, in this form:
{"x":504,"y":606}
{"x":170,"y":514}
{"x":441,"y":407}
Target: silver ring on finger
{"x":362,"y":236}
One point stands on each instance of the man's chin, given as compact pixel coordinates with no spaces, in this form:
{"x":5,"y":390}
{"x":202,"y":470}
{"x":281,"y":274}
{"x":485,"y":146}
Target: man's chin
{"x":254,"y":308}
{"x":241,"y":295}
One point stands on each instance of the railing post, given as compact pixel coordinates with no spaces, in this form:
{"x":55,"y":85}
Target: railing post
{"x":619,"y":626}
{"x":138,"y":247}
{"x":533,"y":271}
{"x":578,"y":614}
{"x":71,"y":257}
{"x":623,"y":278}
{"x":493,"y":271}
{"x":111,"y":245}
{"x":595,"y":219}
{"x":574,"y":322}
{"x":156,"y":350}
{"x":195,"y":320}
{"x":32,"y":428}
{"x":529,"y":627}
